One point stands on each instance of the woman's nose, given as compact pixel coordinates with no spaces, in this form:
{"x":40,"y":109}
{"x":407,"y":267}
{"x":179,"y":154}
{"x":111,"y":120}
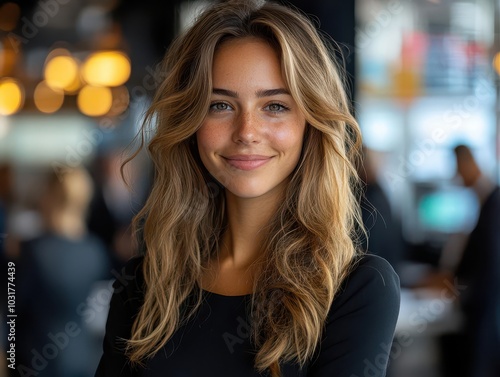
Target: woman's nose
{"x":247,"y":128}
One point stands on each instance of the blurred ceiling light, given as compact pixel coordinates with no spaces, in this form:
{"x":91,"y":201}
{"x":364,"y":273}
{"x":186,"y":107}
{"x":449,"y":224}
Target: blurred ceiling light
{"x":110,"y":68}
{"x":61,"y":72}
{"x":11,"y":96}
{"x":77,"y":82}
{"x":9,"y":16}
{"x":95,"y":100}
{"x":48,"y":100}
{"x":75,"y":86}
{"x":121,"y":100}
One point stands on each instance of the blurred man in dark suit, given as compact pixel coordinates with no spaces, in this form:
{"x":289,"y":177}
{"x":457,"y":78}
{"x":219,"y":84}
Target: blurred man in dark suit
{"x":479,"y":270}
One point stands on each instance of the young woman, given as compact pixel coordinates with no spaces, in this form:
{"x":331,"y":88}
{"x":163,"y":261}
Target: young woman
{"x":250,"y":265}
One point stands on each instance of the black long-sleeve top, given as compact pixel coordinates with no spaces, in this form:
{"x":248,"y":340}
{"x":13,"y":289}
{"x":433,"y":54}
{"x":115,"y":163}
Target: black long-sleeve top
{"x":216,"y":341}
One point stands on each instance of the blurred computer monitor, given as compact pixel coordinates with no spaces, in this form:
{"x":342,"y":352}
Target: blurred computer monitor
{"x":446,"y":210}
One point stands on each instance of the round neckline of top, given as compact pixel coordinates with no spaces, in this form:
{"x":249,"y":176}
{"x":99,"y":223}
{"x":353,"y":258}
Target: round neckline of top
{"x":225,"y":296}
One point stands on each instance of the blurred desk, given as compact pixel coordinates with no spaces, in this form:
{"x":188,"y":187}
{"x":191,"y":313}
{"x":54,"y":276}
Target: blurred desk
{"x":425,"y":315}
{"x":429,"y":311}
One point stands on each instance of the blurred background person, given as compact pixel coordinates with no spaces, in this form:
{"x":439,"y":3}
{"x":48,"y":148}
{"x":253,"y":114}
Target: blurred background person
{"x":383,"y":231}
{"x":473,"y":262}
{"x":56,"y":273}
{"x":113,"y":205}
{"x":5,"y":195}
{"x":479,"y":270}
{"x":9,"y":241}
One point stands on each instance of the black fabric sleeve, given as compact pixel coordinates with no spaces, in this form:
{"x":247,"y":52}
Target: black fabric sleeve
{"x":361,"y":323}
{"x":125,"y":304}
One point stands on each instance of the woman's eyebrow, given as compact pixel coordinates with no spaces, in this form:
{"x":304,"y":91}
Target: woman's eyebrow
{"x":225,"y":92}
{"x":260,"y":93}
{"x":271,"y":92}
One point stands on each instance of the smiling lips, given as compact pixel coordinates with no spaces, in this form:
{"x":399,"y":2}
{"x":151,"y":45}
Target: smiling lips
{"x":248,"y":161}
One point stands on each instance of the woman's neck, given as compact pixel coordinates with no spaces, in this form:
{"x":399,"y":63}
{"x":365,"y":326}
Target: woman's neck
{"x":232,"y":271}
{"x":247,"y":226}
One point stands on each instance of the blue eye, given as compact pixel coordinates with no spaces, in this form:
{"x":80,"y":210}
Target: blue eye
{"x":276,"y":107}
{"x":219,"y":106}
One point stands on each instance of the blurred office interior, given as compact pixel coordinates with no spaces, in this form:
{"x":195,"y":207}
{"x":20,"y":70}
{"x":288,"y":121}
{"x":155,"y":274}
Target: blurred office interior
{"x":76,"y":77}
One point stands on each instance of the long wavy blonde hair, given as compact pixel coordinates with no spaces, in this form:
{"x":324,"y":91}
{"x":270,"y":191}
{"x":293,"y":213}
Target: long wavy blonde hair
{"x":311,"y":238}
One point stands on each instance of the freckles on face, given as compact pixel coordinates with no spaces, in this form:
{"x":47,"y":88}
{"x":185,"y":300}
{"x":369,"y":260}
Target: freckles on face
{"x":251,"y":138}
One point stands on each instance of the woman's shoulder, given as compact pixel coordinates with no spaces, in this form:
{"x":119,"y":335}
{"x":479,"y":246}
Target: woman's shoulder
{"x":369,"y":266}
{"x":361,"y":322}
{"x":129,"y":282}
{"x":372,"y":281}
{"x":134,"y":265}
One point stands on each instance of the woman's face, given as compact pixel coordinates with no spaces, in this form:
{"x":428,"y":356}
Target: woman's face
{"x":251,"y":139}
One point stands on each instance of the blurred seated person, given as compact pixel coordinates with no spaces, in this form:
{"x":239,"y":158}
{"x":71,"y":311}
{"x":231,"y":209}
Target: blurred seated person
{"x":56,"y":273}
{"x":5,"y":194}
{"x":477,"y":270}
{"x":113,"y":205}
{"x":383,"y":233}
{"x":9,"y":238}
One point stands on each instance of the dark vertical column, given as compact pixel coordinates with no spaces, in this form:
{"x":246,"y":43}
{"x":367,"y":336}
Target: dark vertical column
{"x":148,"y":27}
{"x":337,"y":18}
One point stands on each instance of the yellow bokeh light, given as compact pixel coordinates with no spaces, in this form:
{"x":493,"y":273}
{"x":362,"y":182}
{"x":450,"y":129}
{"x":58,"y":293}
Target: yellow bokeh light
{"x":110,"y":68}
{"x":11,"y":96}
{"x":47,"y":99}
{"x":61,"y":72}
{"x":94,"y":100}
{"x":74,"y":86}
{"x":496,"y":62}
